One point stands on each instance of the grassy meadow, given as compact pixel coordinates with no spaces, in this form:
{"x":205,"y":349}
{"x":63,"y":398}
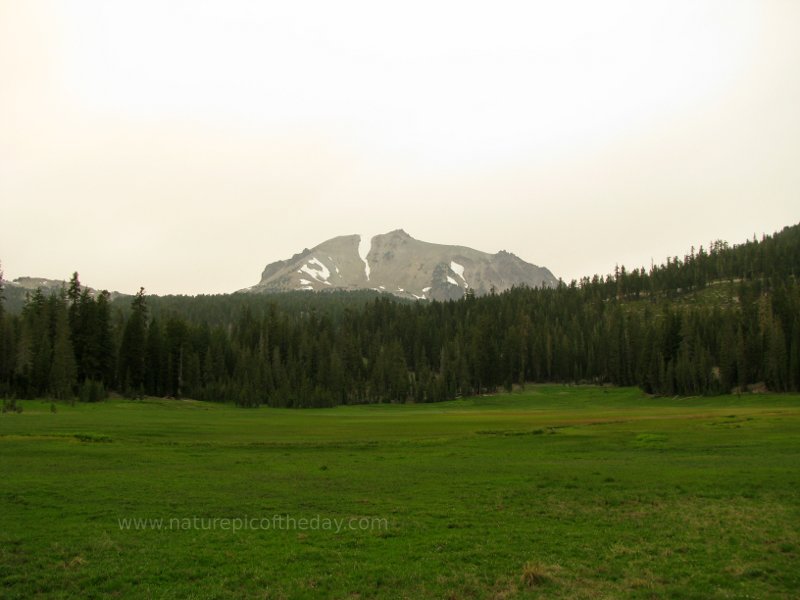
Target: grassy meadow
{"x":551,"y":492}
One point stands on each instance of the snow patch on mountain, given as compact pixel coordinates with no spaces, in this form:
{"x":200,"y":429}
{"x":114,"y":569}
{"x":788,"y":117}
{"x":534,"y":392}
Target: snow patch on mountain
{"x":364,"y":246}
{"x":319,"y":272}
{"x":458,"y":270}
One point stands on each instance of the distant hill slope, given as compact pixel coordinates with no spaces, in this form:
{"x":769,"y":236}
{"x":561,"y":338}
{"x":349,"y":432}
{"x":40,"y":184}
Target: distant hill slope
{"x":15,"y":291}
{"x":397,"y":263}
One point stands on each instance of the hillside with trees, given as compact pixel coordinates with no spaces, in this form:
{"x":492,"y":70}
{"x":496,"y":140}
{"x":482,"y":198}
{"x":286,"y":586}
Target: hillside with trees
{"x":721,"y":319}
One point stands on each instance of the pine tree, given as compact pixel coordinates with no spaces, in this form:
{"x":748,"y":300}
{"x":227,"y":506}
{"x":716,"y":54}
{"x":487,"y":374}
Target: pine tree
{"x":794,"y":358}
{"x":36,"y":313}
{"x":2,"y":293}
{"x":63,"y":372}
{"x":102,"y":342}
{"x":7,"y":345}
{"x":132,"y":351}
{"x":154,"y":384}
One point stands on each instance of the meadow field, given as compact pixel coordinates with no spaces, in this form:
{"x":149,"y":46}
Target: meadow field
{"x":551,"y":492}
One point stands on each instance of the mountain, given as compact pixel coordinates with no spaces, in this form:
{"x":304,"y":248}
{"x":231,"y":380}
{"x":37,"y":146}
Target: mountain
{"x":33,"y":283}
{"x":15,"y":291}
{"x":397,"y":263}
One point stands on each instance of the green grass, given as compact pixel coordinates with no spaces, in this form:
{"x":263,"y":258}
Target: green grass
{"x":555,"y":492}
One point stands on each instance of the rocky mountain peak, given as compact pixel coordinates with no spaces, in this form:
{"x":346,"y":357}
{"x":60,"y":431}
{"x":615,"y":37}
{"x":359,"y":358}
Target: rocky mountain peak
{"x":396,"y":263}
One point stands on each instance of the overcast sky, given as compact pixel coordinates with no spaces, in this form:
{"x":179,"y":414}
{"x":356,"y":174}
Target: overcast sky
{"x":181,"y":146}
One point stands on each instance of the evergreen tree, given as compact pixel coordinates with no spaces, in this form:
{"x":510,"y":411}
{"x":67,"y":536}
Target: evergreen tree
{"x":132,"y":353}
{"x":63,"y":372}
{"x":2,"y":293}
{"x":7,"y":345}
{"x":101,"y":343}
{"x":155,"y":376}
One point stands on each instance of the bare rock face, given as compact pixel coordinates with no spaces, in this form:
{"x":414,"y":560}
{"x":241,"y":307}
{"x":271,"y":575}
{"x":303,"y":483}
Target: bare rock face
{"x":396,"y":263}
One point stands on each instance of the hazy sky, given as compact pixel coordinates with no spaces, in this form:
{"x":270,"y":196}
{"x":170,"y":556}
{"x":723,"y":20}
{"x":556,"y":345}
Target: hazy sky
{"x":181,"y":146}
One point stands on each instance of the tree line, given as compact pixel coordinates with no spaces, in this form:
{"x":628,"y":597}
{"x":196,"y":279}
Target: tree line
{"x":653,"y":328}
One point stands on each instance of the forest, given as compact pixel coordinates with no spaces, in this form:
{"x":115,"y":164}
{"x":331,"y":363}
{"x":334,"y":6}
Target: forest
{"x":722,"y":319}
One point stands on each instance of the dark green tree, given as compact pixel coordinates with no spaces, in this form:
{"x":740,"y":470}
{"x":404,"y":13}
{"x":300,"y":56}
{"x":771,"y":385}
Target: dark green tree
{"x":63,"y":371}
{"x":132,"y":352}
